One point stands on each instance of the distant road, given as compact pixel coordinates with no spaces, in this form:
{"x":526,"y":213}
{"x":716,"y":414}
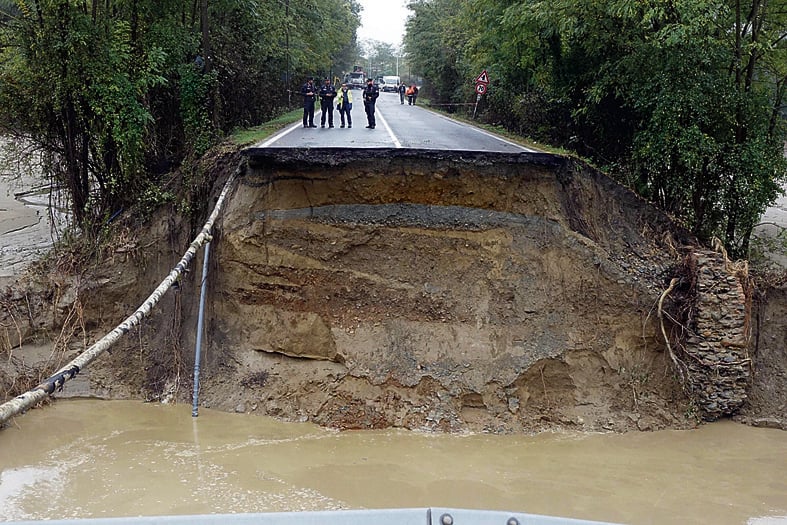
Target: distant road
{"x":771,"y":232}
{"x":398,"y":126}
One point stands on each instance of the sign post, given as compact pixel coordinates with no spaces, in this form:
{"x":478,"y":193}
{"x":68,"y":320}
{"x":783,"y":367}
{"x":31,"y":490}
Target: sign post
{"x":481,"y":84}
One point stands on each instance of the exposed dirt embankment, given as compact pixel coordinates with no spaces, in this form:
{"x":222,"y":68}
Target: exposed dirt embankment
{"x":422,"y":289}
{"x":451,"y":291}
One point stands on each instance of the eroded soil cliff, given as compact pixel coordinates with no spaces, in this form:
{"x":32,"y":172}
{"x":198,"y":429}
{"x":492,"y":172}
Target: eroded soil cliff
{"x":373,"y":288}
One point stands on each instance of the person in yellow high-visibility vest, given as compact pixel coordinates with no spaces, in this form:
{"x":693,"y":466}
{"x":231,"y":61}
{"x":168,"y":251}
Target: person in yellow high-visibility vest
{"x":344,"y":103}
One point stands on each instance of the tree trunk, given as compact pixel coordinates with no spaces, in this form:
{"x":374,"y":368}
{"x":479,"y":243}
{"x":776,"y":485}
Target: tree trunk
{"x":205,"y":34}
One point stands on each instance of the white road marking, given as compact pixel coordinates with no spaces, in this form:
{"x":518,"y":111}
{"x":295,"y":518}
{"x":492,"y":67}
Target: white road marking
{"x":481,"y":131}
{"x":280,"y":135}
{"x":501,"y":139}
{"x":388,"y":128}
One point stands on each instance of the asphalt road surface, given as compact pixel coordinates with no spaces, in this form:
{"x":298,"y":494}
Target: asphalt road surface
{"x":398,"y":126}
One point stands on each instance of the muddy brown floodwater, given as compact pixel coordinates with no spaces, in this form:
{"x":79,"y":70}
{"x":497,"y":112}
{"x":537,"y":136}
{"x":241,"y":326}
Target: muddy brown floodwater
{"x":88,"y":458}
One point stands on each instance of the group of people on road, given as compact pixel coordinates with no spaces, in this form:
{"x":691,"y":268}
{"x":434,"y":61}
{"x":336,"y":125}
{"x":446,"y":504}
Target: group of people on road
{"x":410,"y":92}
{"x":342,"y":100}
{"x":328,"y":95}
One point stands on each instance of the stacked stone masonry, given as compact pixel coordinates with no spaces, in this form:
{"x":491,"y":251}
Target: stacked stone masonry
{"x":716,"y":351}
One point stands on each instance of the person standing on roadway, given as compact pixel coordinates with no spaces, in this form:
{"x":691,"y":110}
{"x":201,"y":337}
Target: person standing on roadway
{"x":412,"y":95}
{"x":327,"y":96}
{"x":344,"y":103}
{"x":402,"y":88}
{"x":309,"y":95}
{"x":370,"y":94}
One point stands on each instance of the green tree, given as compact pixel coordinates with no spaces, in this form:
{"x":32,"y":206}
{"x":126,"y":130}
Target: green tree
{"x":115,"y":91}
{"x":682,"y":98}
{"x":323,"y":31}
{"x":433,"y":42}
{"x":381,"y":56}
{"x":708,"y":146}
{"x":72,"y":83}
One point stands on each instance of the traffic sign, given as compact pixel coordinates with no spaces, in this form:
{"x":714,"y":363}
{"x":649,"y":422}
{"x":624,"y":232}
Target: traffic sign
{"x":483,"y":78}
{"x":480,"y":89}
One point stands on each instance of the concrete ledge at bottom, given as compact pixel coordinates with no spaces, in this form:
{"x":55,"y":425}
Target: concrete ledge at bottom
{"x":414,"y":516}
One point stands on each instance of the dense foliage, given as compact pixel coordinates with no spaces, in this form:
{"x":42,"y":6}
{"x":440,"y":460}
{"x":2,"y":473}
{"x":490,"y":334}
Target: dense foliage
{"x":679,"y":98}
{"x":113,"y":92}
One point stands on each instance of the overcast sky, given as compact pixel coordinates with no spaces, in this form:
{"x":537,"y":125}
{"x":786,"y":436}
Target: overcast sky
{"x":383,"y":20}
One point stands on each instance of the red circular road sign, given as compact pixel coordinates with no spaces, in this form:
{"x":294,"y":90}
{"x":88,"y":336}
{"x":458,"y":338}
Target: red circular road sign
{"x":480,"y":89}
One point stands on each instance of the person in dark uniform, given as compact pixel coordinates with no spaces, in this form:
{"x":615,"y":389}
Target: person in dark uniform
{"x":309,"y":96}
{"x":370,"y":94}
{"x":402,"y":88}
{"x":327,"y":96}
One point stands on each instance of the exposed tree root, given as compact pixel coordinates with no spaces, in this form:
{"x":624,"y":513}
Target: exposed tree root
{"x":679,"y":365}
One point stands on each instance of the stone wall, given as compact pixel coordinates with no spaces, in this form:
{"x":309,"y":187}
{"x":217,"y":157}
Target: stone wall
{"x":716,"y":353}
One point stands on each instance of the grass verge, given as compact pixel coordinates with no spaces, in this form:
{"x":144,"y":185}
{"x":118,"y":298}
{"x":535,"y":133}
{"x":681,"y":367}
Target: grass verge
{"x":248,"y":136}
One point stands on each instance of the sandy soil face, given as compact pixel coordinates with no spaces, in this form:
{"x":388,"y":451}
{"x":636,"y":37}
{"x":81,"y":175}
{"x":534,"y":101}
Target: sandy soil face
{"x":478,"y":292}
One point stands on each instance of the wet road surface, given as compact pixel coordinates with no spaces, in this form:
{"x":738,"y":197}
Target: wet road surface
{"x":398,"y":126}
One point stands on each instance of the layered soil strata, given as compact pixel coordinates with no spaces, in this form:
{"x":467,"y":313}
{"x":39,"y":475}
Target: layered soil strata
{"x":420,"y":289}
{"x":442,"y":290}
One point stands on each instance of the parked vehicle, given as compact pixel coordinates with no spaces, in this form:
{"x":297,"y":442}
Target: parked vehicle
{"x":356,"y":79}
{"x":391,"y":83}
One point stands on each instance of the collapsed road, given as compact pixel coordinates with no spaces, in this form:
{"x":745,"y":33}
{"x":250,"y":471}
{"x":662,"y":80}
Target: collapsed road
{"x":433,"y":289}
{"x":501,"y":291}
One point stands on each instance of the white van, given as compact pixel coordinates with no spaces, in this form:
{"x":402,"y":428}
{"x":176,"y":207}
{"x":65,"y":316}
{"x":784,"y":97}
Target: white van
{"x":391,"y":83}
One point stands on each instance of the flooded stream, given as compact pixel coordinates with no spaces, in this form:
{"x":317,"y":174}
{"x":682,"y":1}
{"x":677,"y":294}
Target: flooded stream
{"x":27,"y":221}
{"x":89,"y":458}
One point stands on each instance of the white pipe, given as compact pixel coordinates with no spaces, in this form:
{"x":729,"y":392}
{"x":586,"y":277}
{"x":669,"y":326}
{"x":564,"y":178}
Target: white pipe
{"x":30,"y":398}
